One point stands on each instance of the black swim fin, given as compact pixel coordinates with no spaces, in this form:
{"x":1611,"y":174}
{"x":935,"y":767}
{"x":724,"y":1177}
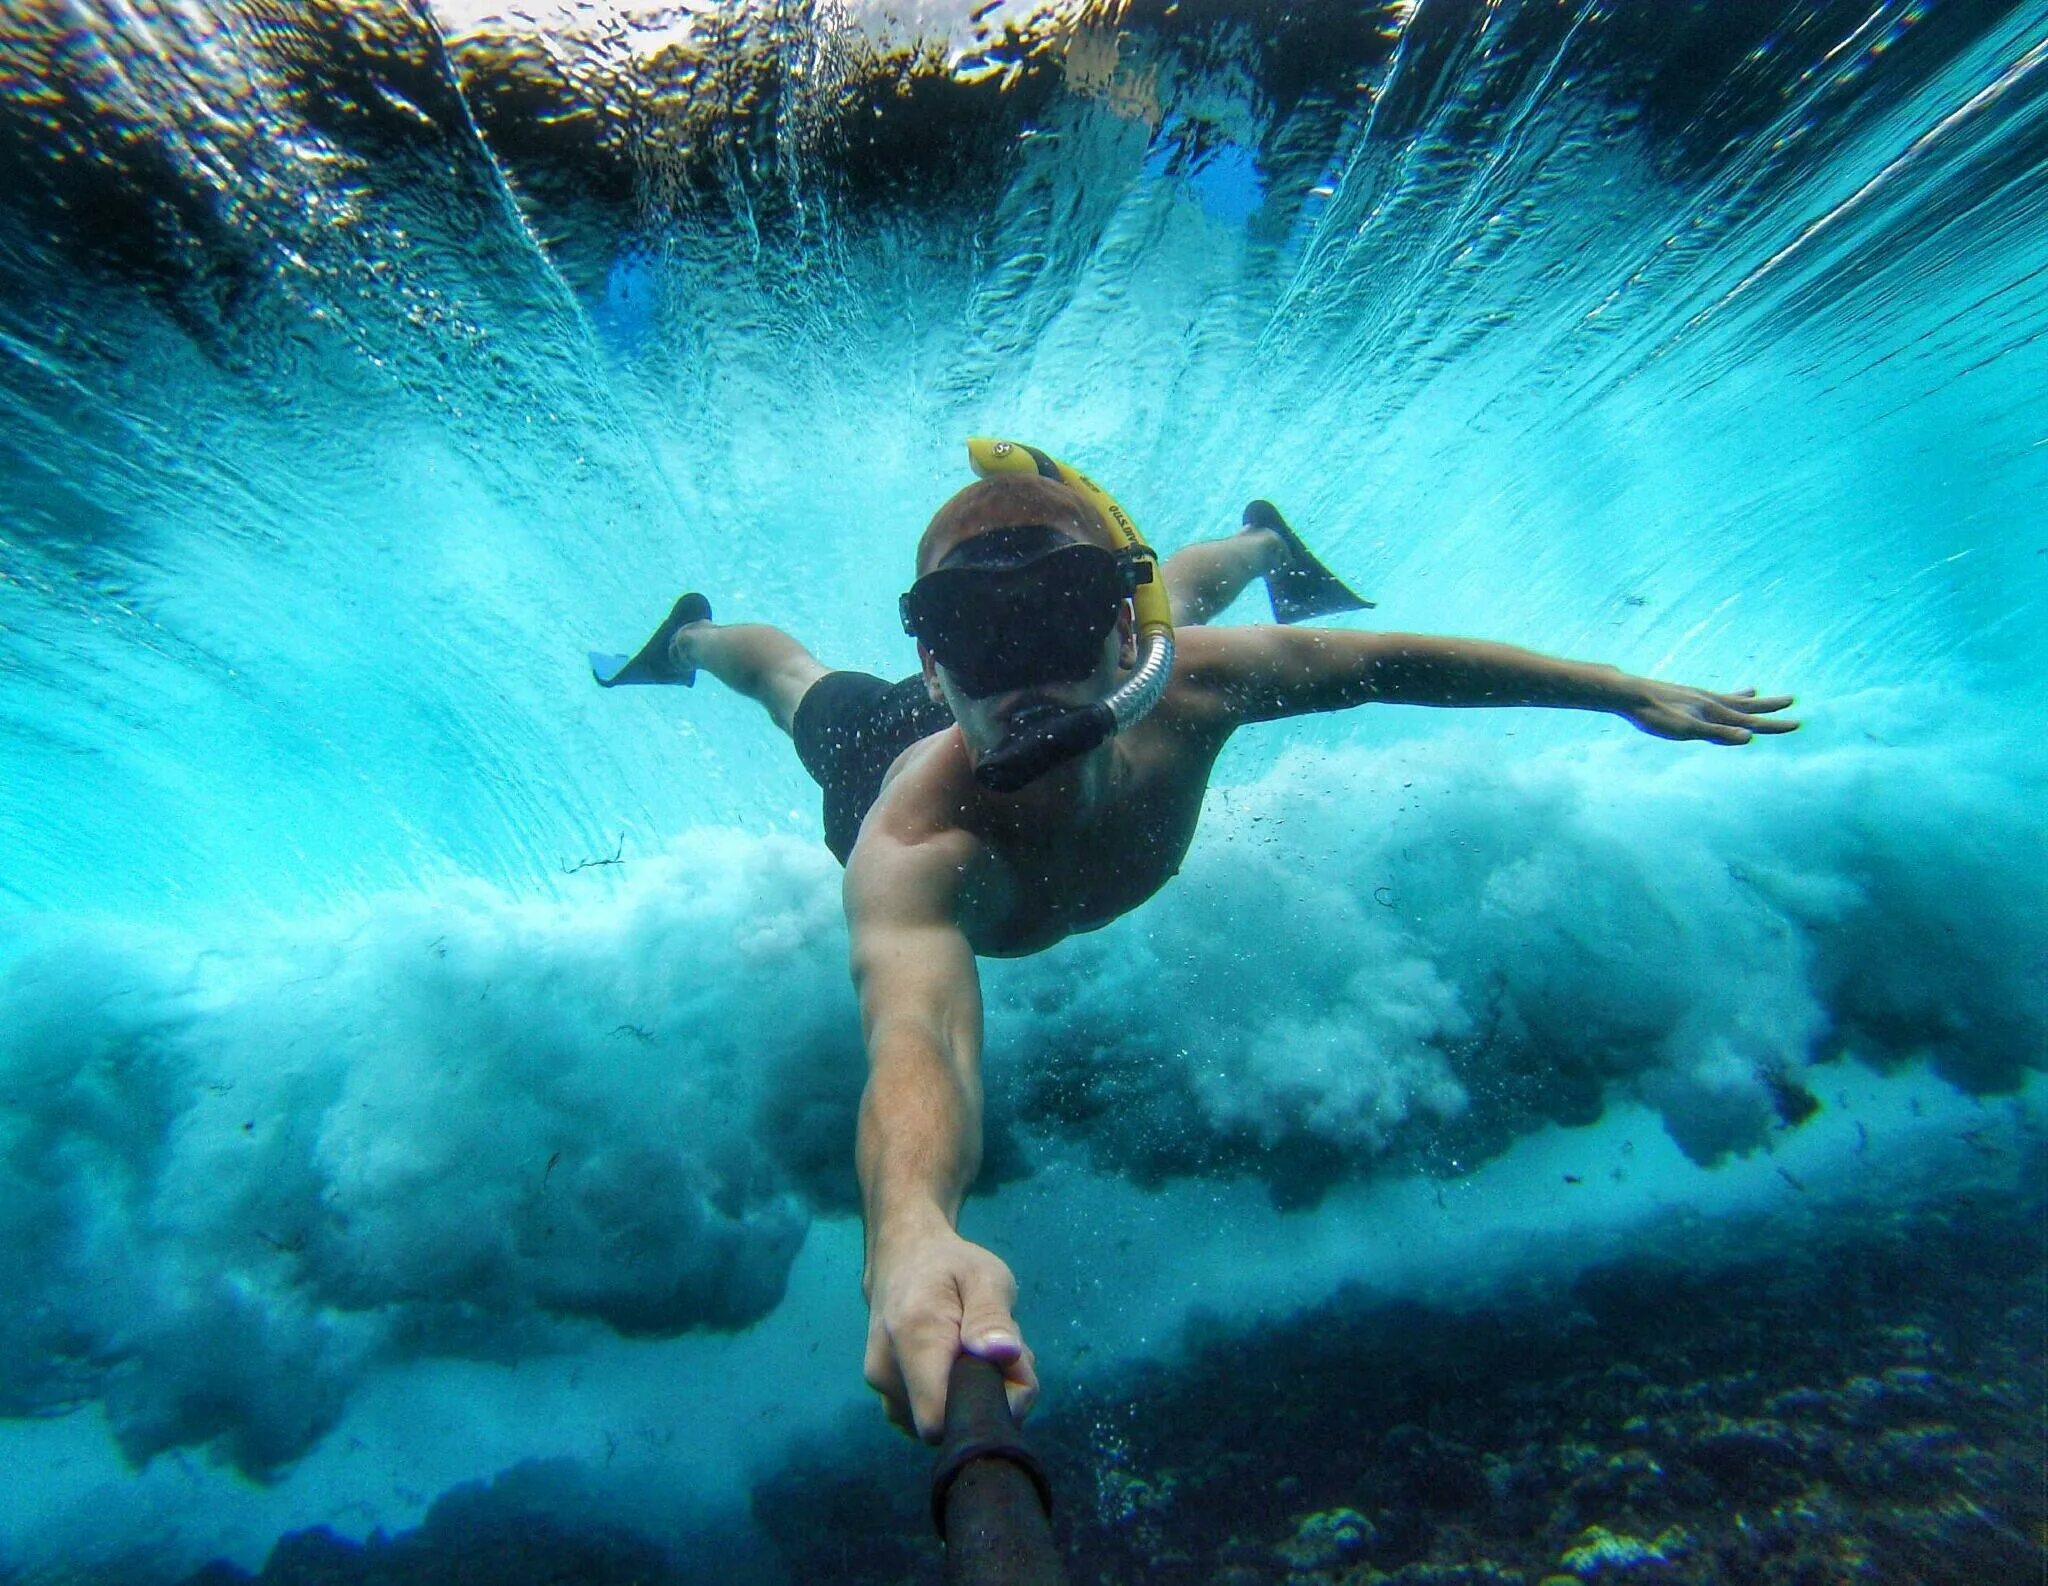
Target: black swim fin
{"x":651,"y":664}
{"x":1301,"y":587}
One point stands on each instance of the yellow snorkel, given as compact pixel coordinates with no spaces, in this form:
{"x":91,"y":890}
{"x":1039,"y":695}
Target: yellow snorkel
{"x":1043,"y":744}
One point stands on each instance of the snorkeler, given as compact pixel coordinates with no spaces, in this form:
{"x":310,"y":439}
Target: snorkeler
{"x":1043,"y":775}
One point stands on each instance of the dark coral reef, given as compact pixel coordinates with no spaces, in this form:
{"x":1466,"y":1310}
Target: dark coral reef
{"x":1837,"y":1395}
{"x":1839,"y":1392}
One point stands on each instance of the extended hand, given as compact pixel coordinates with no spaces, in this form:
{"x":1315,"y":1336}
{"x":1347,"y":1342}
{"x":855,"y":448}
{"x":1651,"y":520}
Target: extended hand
{"x":929,"y":1302}
{"x":1670,"y":710}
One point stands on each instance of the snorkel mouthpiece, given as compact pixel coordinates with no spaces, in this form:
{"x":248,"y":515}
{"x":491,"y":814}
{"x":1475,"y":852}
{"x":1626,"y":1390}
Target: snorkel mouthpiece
{"x":1034,"y":747}
{"x":1037,"y":744}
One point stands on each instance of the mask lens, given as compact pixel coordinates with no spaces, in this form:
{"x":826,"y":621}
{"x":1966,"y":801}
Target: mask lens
{"x":1002,"y":629}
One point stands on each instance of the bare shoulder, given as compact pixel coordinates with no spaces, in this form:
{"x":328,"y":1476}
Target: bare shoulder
{"x":908,"y":946}
{"x":917,"y":843}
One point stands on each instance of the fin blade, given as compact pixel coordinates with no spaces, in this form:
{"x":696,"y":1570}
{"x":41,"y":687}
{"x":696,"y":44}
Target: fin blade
{"x":1312,"y":592}
{"x":651,"y":663}
{"x":606,"y":668}
{"x":1303,"y":587}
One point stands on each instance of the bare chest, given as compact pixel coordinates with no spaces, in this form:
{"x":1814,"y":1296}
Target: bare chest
{"x":1068,"y":877}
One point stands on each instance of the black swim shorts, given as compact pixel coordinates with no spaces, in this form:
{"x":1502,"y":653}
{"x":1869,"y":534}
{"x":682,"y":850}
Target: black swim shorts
{"x":849,"y":728}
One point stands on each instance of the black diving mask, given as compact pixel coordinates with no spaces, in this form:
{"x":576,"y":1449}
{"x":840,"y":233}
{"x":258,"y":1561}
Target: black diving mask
{"x":999,"y":629}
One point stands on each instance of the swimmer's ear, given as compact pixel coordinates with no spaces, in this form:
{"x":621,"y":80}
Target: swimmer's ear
{"x":930,"y":668}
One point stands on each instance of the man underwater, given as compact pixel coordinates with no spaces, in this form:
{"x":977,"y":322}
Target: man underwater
{"x":992,"y":806}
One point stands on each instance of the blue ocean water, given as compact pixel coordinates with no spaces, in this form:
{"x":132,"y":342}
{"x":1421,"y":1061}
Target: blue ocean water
{"x":427,"y":1081}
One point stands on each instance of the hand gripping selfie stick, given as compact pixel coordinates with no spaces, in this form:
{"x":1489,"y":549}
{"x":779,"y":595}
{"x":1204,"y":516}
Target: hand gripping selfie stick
{"x":1042,"y":743}
{"x":990,"y":1498}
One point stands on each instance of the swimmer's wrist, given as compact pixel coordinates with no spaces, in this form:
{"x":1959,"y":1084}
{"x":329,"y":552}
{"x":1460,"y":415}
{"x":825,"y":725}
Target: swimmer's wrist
{"x":1594,"y":685}
{"x":911,"y":1225}
{"x":904,"y":1228}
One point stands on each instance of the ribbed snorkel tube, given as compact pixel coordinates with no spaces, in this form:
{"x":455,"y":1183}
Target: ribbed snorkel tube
{"x":1042,"y":744}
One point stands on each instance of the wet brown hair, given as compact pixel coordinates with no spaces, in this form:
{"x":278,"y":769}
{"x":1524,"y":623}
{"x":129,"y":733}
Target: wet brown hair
{"x":1005,"y":502}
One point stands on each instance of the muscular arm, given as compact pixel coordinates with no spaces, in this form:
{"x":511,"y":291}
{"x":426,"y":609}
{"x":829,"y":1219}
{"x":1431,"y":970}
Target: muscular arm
{"x":1266,"y":673}
{"x":920,"y":1004}
{"x":930,"y":1293}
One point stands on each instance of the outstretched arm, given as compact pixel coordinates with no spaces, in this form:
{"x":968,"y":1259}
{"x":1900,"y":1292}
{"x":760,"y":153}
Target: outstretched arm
{"x":1266,"y":673}
{"x":931,"y":1294}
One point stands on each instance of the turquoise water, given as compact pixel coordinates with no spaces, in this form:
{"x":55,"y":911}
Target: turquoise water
{"x":417,"y":1062}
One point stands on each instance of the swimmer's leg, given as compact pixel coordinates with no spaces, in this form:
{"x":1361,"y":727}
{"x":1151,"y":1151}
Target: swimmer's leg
{"x":763,"y":663}
{"x":1201,"y":580}
{"x":751,"y":658}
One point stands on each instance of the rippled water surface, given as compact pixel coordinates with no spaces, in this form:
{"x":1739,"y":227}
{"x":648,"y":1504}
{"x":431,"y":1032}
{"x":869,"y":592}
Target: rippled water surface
{"x":415,"y":1061}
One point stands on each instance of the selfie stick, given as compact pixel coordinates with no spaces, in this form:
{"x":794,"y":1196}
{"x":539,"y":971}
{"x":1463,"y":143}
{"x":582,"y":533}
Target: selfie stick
{"x":990,"y":1498}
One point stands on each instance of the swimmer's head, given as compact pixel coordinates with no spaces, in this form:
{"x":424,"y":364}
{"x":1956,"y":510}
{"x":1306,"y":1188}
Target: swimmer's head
{"x":1018,"y":502}
{"x":1019,"y":590}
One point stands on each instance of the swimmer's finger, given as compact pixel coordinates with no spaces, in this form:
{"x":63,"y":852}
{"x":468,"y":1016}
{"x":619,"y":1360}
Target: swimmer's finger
{"x":1751,"y":703}
{"x":927,"y":1359}
{"x":1022,"y":1385}
{"x":988,"y":1328}
{"x":885,"y":1376}
{"x":1725,"y":713}
{"x":1020,"y":1378}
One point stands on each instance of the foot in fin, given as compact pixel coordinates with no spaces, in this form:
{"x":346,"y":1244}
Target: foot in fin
{"x":1300,"y":587}
{"x":653,"y":664}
